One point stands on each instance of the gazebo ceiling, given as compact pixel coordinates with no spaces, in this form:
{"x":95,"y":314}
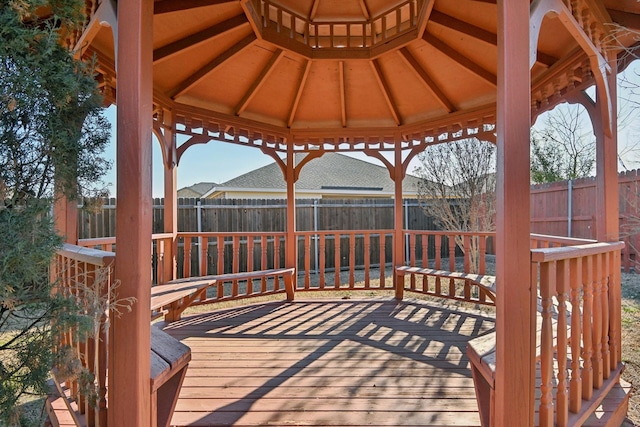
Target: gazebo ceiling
{"x":339,"y":67}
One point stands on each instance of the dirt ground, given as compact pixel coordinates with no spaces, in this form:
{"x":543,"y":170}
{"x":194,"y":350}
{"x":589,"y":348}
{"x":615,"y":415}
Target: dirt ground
{"x":631,"y":342}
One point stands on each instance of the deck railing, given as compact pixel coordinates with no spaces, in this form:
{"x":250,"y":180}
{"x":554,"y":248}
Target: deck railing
{"x":86,"y":276}
{"x":281,"y":25}
{"x":450,"y":250}
{"x":327,"y":256}
{"x":579,"y":338}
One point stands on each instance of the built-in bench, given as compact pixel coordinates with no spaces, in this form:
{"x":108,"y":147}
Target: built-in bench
{"x":175,"y":296}
{"x":485,"y":283}
{"x":169,"y":361}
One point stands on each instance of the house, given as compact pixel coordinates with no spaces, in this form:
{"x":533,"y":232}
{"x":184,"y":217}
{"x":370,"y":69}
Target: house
{"x":332,"y":175}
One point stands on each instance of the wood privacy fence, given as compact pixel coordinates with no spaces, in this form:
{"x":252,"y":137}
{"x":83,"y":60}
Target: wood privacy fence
{"x":565,"y":208}
{"x":263,"y":215}
{"x":568,"y":208}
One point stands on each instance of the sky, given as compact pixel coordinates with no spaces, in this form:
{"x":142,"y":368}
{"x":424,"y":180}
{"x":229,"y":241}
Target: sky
{"x":219,"y":162}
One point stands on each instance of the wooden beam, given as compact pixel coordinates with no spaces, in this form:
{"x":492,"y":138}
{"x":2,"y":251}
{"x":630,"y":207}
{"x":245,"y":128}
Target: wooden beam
{"x":462,"y":60}
{"x":193,"y":39}
{"x":314,"y":9}
{"x":259,"y":81}
{"x":190,"y":81}
{"x":343,"y":102}
{"x":516,"y":297}
{"x":426,"y":79}
{"x":365,"y":9}
{"x":130,"y":333}
{"x":625,"y":19}
{"x":481,"y":34}
{"x":301,"y":84}
{"x":386,"y":91}
{"x":168,"y":6}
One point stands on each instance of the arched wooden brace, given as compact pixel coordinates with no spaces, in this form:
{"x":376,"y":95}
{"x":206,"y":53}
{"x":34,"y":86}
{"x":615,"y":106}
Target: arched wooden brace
{"x":606,"y":217}
{"x":599,"y":64}
{"x":104,"y":16}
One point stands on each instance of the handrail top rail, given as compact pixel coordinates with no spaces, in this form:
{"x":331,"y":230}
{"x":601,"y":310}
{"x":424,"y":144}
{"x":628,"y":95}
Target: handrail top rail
{"x":576,"y":251}
{"x":88,"y":255}
{"x":562,"y":240}
{"x":228,"y":233}
{"x":452,"y":232}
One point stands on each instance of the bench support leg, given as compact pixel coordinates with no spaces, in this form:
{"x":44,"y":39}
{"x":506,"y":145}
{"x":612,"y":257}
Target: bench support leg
{"x":399,"y":284}
{"x":289,"y":287}
{"x":163,"y":401}
{"x":485,"y":396}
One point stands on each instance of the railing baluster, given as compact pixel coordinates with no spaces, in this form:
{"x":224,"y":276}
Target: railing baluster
{"x":367,"y":259}
{"x":204,"y":244}
{"x":547,"y":277}
{"x":186,"y":262}
{"x":323,"y":263}
{"x":336,"y":260}
{"x":604,"y":303}
{"x":587,"y":289}
{"x":575,"y":385}
{"x":562,"y":397}
{"x":597,"y":323}
{"x":352,"y":259}
{"x":383,"y":258}
{"x":307,"y":260}
{"x":467,"y":253}
{"x":264,"y":246}
{"x":221,"y":250}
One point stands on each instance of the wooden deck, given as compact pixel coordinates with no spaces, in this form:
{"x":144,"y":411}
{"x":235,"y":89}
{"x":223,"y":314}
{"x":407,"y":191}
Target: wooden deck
{"x":330,"y":363}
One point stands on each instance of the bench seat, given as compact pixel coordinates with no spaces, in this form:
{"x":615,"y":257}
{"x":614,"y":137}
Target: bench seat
{"x":176,"y":296}
{"x":486,"y":282}
{"x":169,"y":361}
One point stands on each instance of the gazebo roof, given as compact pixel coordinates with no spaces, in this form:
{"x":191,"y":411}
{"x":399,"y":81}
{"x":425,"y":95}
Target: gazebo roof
{"x":350,"y":71}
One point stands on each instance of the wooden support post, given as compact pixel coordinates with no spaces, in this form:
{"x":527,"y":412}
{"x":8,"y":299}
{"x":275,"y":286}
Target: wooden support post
{"x":607,"y":164}
{"x":170,"y":199}
{"x":398,"y":234}
{"x":291,"y":250}
{"x":130,"y":335}
{"x":65,"y":216}
{"x":515,"y":331}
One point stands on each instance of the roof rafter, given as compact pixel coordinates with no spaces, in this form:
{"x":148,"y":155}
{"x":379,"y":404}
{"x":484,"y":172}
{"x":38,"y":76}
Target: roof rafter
{"x":426,"y":79}
{"x":190,"y":81}
{"x":314,"y":10}
{"x":386,"y":91}
{"x":343,"y":101}
{"x":480,"y":34}
{"x":193,"y":39}
{"x":465,"y":62}
{"x":259,"y":81}
{"x":167,"y":6}
{"x":301,"y":84}
{"x":365,"y":9}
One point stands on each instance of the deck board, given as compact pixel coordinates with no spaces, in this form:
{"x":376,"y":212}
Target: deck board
{"x":330,"y":363}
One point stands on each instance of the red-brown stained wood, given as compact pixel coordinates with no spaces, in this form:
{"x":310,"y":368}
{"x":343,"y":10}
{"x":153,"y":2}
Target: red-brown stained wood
{"x":328,"y":362}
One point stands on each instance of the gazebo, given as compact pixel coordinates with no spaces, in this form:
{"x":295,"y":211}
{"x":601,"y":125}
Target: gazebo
{"x":387,"y":78}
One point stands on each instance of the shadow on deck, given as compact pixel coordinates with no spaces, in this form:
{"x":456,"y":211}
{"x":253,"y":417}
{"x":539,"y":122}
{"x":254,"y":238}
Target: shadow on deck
{"x":329,"y":363}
